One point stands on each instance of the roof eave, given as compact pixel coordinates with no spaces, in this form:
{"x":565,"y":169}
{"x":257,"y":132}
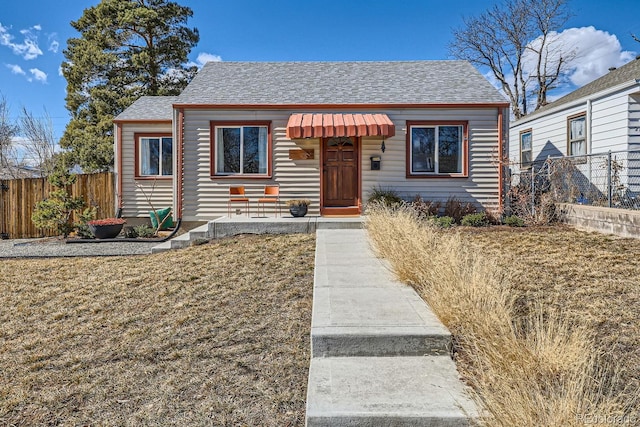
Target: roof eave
{"x":572,"y":104}
{"x":116,"y":120}
{"x":343,"y":106}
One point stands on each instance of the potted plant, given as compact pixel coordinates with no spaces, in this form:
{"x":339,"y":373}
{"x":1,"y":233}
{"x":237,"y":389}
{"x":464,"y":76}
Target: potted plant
{"x":298,"y":207}
{"x":107,"y":228}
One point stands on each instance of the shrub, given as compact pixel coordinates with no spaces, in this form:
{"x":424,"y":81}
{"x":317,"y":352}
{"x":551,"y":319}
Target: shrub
{"x":55,"y":212}
{"x":442,"y":221}
{"x":494,"y":217}
{"x":457,"y":210}
{"x":385,"y":197}
{"x":130,"y":232}
{"x":479,"y":219}
{"x":82,"y":227}
{"x":538,"y":208}
{"x":144,"y":231}
{"x":425,"y":208}
{"x":298,"y":202}
{"x":514,"y":221}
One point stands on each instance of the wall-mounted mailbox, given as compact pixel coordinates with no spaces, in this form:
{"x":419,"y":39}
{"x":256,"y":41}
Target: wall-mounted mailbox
{"x":375,"y":163}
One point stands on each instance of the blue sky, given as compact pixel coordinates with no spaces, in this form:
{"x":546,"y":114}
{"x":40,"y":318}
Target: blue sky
{"x":33,"y":34}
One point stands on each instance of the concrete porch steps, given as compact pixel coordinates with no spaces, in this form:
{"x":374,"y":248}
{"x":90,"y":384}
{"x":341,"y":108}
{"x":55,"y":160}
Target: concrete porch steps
{"x":379,"y":355}
{"x":225,"y":227}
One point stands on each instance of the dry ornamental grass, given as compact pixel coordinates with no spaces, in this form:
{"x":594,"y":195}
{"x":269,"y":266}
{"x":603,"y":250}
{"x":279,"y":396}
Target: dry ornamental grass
{"x":540,"y":317}
{"x":216,"y":334}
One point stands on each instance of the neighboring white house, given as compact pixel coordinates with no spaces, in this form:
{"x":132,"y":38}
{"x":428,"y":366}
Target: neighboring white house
{"x":601,"y":116}
{"x":329,"y":132}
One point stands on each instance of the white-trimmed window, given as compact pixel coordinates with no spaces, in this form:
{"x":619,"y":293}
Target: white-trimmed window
{"x":155,"y":156}
{"x":241,"y":150}
{"x":577,"y":135}
{"x":526,"y":152}
{"x":436,"y":149}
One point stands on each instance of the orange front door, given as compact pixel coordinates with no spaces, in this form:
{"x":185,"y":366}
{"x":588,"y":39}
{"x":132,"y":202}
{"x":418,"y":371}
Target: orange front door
{"x":340,"y":172}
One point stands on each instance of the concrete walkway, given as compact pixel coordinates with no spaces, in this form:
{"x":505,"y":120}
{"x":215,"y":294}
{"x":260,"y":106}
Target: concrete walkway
{"x":379,"y":355}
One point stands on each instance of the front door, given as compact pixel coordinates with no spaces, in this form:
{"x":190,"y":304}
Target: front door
{"x":340,"y":175}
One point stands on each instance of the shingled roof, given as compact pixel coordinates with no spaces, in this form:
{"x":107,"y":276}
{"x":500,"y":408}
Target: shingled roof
{"x":628,"y":73}
{"x":334,"y":83}
{"x":149,"y":108}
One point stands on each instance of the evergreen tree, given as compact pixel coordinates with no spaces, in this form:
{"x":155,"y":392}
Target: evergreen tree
{"x":126,"y":49}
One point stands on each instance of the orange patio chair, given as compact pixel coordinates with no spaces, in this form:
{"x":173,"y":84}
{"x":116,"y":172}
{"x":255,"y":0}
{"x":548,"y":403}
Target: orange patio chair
{"x":236,"y":195}
{"x":271,"y":195}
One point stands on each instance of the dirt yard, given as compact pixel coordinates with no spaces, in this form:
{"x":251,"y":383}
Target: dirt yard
{"x":216,"y":334}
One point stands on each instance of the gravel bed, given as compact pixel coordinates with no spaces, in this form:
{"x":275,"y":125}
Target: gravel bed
{"x":53,"y":247}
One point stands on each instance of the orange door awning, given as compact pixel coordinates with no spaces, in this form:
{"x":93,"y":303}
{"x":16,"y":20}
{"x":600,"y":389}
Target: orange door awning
{"x":323,"y":125}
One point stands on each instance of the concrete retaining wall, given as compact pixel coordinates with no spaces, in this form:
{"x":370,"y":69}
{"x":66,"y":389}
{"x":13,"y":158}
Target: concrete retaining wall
{"x":621,"y":222}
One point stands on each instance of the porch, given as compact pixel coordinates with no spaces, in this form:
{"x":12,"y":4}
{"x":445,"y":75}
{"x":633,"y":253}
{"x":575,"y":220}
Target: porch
{"x":231,"y":226}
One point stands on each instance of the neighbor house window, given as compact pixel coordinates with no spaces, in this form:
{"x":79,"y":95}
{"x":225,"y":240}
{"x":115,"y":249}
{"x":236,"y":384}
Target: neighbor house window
{"x":525,"y":148}
{"x":154,"y":155}
{"x":240,"y":149}
{"x":577,"y":135}
{"x":437,"y":149}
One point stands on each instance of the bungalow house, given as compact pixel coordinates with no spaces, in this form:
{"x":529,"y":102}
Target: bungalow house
{"x":601,"y":116}
{"x":329,"y":132}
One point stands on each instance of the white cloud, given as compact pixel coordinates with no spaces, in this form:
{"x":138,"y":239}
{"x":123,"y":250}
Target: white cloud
{"x":28,"y":49}
{"x":15,"y":69}
{"x":203,"y":58}
{"x":589,"y":54}
{"x":60,"y":73}
{"x":598,"y":51}
{"x":592,"y":53}
{"x":37,"y":27}
{"x":53,"y":47}
{"x":39,"y":75}
{"x":53,"y":42}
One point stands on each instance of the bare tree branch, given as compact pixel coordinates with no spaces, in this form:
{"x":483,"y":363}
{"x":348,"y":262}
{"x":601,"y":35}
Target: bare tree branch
{"x":506,"y":37}
{"x":39,"y":143}
{"x":9,"y":164}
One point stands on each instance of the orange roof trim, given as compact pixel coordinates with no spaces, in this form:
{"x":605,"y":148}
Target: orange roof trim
{"x":323,"y":125}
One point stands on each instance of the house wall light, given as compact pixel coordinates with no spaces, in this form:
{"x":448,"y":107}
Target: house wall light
{"x":382,"y":146}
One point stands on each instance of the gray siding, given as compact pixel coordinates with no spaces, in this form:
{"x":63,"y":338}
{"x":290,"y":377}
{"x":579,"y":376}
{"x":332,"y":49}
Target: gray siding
{"x":634,"y":122}
{"x":611,"y":126}
{"x":160,"y":191}
{"x":206,"y":198}
{"x":481,"y":187}
{"x":610,"y":123}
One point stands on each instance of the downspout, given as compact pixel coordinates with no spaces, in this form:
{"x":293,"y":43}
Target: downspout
{"x":118,"y":132}
{"x":500,"y":160}
{"x":588,"y":141}
{"x":588,"y":118}
{"x":179,"y":163}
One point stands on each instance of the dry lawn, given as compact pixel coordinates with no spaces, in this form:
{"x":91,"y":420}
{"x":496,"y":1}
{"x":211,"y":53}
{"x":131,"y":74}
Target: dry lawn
{"x":216,"y":334}
{"x":540,"y":316}
{"x":593,"y":279}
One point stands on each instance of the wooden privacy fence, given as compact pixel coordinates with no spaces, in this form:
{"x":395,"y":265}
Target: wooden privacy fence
{"x":18,"y":198}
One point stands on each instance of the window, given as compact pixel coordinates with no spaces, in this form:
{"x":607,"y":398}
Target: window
{"x":154,"y":156}
{"x":577,"y":132}
{"x":437,"y":149}
{"x":240,"y":149}
{"x":526,"y":154}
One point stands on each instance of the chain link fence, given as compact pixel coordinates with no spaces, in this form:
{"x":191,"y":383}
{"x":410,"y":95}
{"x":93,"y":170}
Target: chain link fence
{"x":609,"y":179}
